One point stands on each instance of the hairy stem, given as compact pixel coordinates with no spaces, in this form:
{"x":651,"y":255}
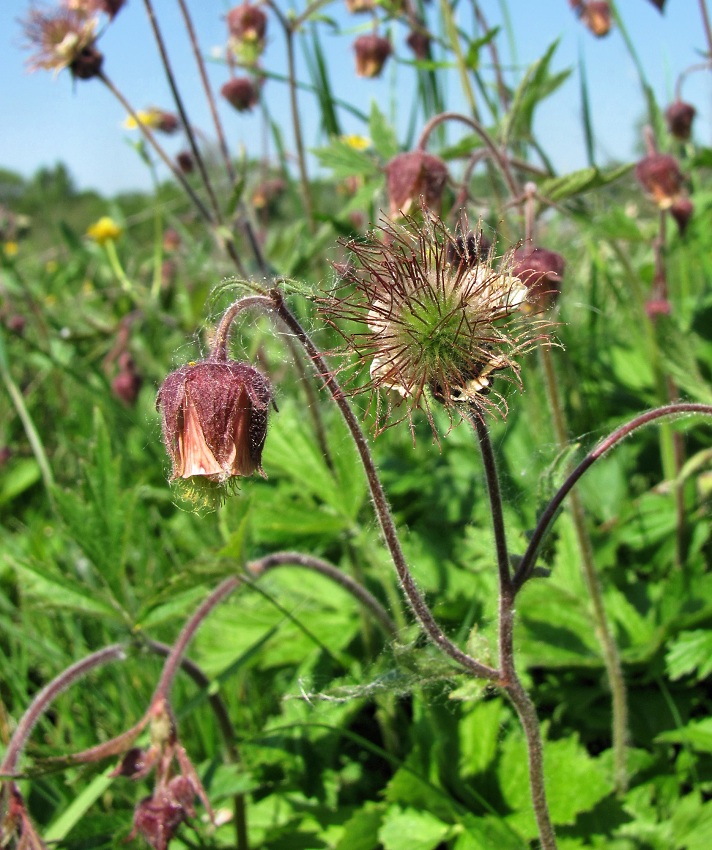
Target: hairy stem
{"x":226,"y":729}
{"x":416,"y":602}
{"x":217,"y":123}
{"x":174,"y":660}
{"x":606,"y":639}
{"x":535,"y":753}
{"x":358,"y":591}
{"x":499,"y":157}
{"x":528,"y":561}
{"x":289,"y":30}
{"x":42,"y":701}
{"x":178,"y":100}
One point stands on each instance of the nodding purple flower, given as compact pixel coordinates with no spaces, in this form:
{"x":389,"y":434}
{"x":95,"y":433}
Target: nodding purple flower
{"x":419,"y":42}
{"x":215,"y":419}
{"x":414,"y":175}
{"x":371,"y":54}
{"x":681,"y":210}
{"x":660,"y":175}
{"x":438,"y":325}
{"x":679,"y":116}
{"x":541,"y":271}
{"x":595,"y":15}
{"x":241,"y":92}
{"x":247,"y":22}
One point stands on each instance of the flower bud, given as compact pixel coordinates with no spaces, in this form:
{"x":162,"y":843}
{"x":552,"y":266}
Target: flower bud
{"x":215,"y":419}
{"x":679,"y":116}
{"x":185,"y":162}
{"x":412,"y":175}
{"x":681,"y":210}
{"x":241,"y":92}
{"x":371,"y":54}
{"x":354,"y":7}
{"x":247,"y":23}
{"x":87,"y":63}
{"x":127,"y":384}
{"x":541,"y":271}
{"x":419,"y":42}
{"x":659,"y":174}
{"x":596,"y":15}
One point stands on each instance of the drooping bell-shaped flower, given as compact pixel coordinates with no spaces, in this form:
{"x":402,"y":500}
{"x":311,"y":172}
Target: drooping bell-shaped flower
{"x":215,"y":419}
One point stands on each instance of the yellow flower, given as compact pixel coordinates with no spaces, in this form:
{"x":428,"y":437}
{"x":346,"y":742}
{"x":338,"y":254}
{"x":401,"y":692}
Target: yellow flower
{"x":358,"y":143}
{"x":104,"y":230}
{"x":51,"y":266}
{"x":10,"y":249}
{"x":150,"y":118}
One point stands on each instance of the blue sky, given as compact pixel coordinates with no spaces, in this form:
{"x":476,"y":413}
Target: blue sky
{"x":48,"y":119}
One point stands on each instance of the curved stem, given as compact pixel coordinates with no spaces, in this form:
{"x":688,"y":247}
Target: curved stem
{"x":611,"y":656}
{"x":174,"y":660}
{"x":222,"y":334}
{"x":367,"y":599}
{"x":497,"y":154}
{"x":48,"y":694}
{"x":226,"y":728}
{"x":673,"y":410}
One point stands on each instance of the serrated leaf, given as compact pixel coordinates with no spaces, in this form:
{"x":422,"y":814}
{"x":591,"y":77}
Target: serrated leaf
{"x":536,"y":85}
{"x":382,"y":133}
{"x":575,"y":782}
{"x":411,"y":829}
{"x":690,"y":653}
{"x":695,"y":733}
{"x":361,"y":830}
{"x":57,"y":592}
{"x":345,"y":161}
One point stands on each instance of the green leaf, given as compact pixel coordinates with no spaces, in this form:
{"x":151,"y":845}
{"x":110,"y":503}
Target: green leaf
{"x":696,"y":734}
{"x":472,"y":57}
{"x":19,"y":477}
{"x":382,"y":133}
{"x":56,"y":592}
{"x":690,"y":653}
{"x":78,"y":808}
{"x":579,"y":182}
{"x":361,"y":830}
{"x":411,"y":829}
{"x":575,"y":781}
{"x":536,"y":85}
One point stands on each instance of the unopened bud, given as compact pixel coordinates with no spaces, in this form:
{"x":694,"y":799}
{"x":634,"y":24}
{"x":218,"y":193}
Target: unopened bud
{"x":541,"y":271}
{"x":241,"y":92}
{"x":413,"y":175}
{"x":679,"y":116}
{"x":659,"y":174}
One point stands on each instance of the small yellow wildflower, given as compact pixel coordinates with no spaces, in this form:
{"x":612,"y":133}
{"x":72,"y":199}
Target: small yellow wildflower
{"x":358,"y":143}
{"x":87,"y":287}
{"x":104,"y":230}
{"x":150,"y":118}
{"x":10,"y":249}
{"x":51,"y":266}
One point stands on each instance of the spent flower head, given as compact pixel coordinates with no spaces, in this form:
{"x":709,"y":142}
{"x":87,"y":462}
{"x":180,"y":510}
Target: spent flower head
{"x":63,"y":38}
{"x":439,"y":323}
